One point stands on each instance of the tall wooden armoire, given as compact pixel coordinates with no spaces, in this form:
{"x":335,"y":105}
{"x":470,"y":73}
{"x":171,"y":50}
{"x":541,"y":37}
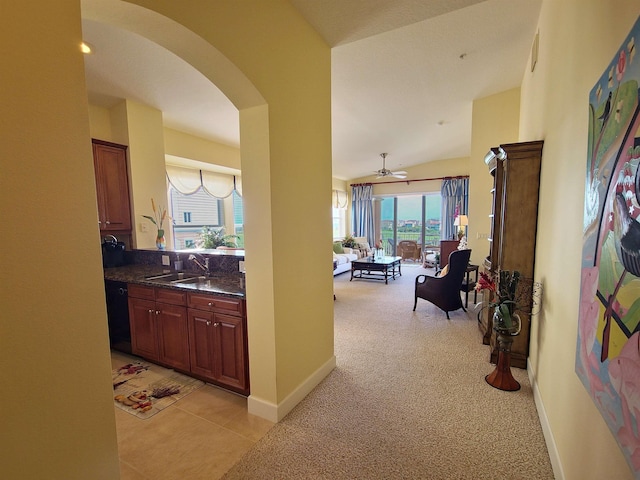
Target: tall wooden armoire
{"x":516,"y":178}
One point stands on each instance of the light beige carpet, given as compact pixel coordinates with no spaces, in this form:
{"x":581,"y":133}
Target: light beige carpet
{"x":408,"y":400}
{"x":144,"y":389}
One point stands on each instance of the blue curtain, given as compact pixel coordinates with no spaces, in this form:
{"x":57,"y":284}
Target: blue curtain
{"x":455,"y":201}
{"x":362,"y":206}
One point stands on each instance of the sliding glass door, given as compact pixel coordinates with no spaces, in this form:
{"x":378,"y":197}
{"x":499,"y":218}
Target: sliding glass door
{"x":409,"y":217}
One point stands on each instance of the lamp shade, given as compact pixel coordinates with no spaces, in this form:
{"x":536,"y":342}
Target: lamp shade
{"x":461,"y":221}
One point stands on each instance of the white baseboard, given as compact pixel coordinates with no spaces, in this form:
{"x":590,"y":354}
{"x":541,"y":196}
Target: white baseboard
{"x":558,"y":473}
{"x":275,"y":413}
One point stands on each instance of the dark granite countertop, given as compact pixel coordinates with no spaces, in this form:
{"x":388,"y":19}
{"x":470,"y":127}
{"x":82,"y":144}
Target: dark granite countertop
{"x":221,"y":284}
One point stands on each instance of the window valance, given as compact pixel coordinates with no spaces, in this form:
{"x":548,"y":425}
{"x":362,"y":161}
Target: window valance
{"x":189,"y":180}
{"x":339,"y":199}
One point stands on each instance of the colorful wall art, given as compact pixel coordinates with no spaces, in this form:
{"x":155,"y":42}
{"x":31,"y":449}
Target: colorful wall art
{"x":608,"y":350}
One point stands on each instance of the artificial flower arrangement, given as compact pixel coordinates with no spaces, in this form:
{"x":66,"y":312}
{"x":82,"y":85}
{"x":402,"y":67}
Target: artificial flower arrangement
{"x":506,"y":298}
{"x":159,"y":215}
{"x":158,"y":218}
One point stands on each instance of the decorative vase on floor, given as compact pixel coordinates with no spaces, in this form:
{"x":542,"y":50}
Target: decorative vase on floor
{"x":160,"y":241}
{"x":507,"y":325}
{"x":505,"y":321}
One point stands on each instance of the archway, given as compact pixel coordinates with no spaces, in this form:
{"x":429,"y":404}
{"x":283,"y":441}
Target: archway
{"x":289,"y":355}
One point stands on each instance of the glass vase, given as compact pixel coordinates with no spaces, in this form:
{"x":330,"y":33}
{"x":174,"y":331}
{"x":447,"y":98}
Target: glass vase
{"x":160,"y":240}
{"x":506,"y":322}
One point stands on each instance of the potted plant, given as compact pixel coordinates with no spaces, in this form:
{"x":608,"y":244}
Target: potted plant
{"x":349,"y":242}
{"x":215,"y":237}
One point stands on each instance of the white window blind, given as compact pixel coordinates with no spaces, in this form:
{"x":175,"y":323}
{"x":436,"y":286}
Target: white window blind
{"x":188,"y":181}
{"x":339,"y":199}
{"x":217,"y":184}
{"x":184,"y":180}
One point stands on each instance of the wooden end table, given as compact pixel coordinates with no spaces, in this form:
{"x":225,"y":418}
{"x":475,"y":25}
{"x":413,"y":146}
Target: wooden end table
{"x":468,"y":285}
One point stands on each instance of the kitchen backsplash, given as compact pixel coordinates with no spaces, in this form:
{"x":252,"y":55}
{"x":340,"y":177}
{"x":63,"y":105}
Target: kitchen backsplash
{"x":219,"y":261}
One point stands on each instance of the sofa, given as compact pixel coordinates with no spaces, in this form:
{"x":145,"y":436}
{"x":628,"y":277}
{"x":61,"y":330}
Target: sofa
{"x":342,"y":257}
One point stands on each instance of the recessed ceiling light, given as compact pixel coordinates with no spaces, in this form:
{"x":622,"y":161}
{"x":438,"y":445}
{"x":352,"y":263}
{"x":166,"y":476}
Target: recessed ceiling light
{"x":86,"y":48}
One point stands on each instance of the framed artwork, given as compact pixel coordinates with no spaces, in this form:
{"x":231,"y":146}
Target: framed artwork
{"x":608,"y":346}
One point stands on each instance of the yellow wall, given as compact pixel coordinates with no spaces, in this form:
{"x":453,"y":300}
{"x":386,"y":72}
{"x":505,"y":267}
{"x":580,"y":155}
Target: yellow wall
{"x":100,"y":123}
{"x":286,"y":170}
{"x":495,"y":121}
{"x":184,"y":145}
{"x":140,"y":128}
{"x":57,"y":418}
{"x":578,"y":39}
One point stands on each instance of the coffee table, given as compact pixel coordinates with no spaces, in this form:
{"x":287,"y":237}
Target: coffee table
{"x":376,"y":269}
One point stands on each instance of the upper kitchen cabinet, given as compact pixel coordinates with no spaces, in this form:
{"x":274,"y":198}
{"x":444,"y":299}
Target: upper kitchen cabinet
{"x":112,"y":185}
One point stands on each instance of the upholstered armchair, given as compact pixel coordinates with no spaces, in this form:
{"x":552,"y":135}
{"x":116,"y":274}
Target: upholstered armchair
{"x":362,"y":244}
{"x":444,"y":291}
{"x":409,"y":250}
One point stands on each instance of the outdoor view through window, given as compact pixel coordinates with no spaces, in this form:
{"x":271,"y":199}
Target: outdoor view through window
{"x":410,"y":217}
{"x":191,"y":213}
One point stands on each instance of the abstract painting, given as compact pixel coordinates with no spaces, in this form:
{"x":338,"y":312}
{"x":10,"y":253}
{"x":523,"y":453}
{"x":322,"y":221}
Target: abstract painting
{"x":608,"y":348}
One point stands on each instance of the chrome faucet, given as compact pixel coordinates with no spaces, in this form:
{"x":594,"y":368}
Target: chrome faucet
{"x":205,"y":267}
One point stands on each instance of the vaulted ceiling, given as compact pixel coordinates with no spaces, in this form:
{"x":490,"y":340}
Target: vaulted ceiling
{"x":404,"y":76}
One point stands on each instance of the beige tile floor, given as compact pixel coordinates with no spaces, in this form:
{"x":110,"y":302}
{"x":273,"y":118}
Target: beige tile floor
{"x":201,"y":436}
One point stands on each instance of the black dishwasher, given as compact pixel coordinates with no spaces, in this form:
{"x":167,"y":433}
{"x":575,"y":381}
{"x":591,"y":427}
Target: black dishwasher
{"x":118,"y":315}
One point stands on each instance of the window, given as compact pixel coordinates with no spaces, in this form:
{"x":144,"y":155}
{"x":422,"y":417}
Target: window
{"x":410,"y":217}
{"x":238,"y":218}
{"x":191,"y":213}
{"x":339,"y":222}
{"x":339,"y":202}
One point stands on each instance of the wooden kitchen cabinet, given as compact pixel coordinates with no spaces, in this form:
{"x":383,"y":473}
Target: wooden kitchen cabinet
{"x":198,"y":333}
{"x":515,"y":169}
{"x":144,"y":334}
{"x":218,"y":341}
{"x":112,"y":187}
{"x":159,"y":329}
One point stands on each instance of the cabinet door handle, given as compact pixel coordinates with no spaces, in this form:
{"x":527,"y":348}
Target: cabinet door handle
{"x":150,"y":311}
{"x":158,"y":312}
{"x":216,"y":324}
{"x":108,"y":222}
{"x":208,"y":322}
{"x":210,"y":304}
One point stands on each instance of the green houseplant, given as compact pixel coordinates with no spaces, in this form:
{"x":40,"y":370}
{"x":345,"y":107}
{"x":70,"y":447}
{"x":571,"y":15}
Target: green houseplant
{"x":349,"y":242}
{"x":215,"y":237}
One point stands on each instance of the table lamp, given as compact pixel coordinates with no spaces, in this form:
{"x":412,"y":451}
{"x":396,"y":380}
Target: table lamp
{"x":461,"y":221}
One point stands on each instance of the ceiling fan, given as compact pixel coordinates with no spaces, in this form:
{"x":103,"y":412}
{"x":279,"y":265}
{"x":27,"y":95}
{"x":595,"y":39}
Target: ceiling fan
{"x":383,"y":172}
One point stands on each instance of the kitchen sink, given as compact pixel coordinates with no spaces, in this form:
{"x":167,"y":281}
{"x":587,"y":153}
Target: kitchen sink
{"x":199,"y":283}
{"x":175,"y":277}
{"x":198,"y":279}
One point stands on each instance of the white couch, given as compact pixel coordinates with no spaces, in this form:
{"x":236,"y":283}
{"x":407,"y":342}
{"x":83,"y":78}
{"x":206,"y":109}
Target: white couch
{"x":344,"y":260}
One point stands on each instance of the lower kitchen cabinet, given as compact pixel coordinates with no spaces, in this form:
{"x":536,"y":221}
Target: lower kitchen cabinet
{"x":197,"y":333}
{"x":144,"y":334}
{"x":218,"y":340}
{"x":218,"y":348}
{"x":159,"y":329}
{"x":173,"y":336}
